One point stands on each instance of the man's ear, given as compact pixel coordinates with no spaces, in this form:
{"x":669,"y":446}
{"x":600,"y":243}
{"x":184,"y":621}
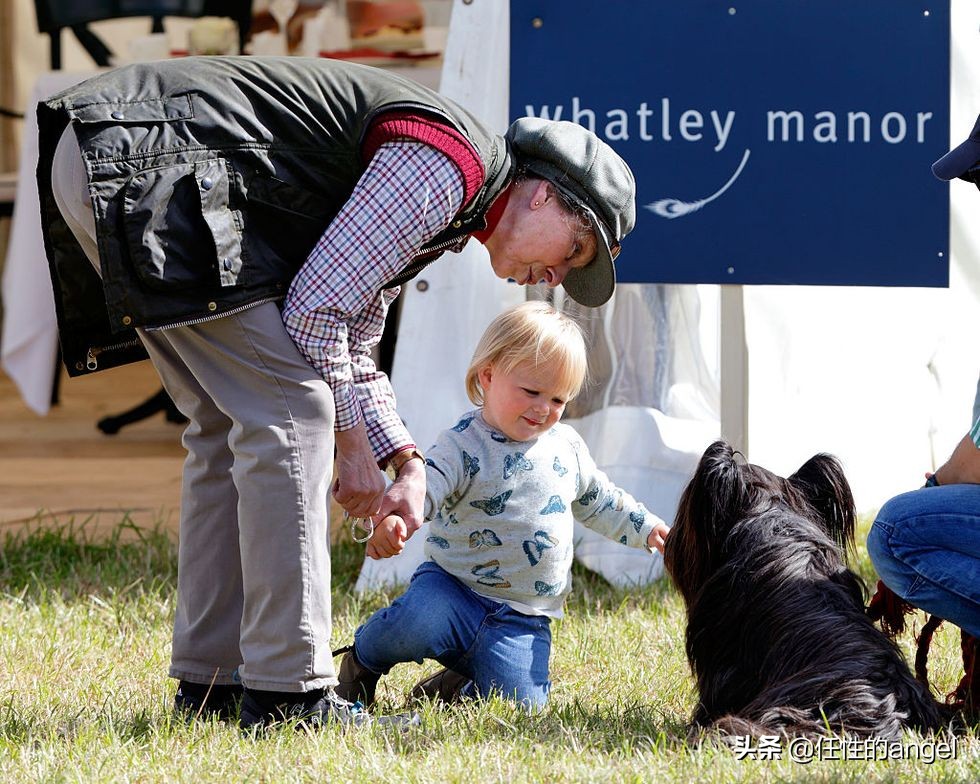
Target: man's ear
{"x":540,"y":194}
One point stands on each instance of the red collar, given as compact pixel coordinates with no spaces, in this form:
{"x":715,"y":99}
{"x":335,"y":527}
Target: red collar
{"x":494,"y":215}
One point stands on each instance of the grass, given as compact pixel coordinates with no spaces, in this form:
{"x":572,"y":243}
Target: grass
{"x":84,"y":696}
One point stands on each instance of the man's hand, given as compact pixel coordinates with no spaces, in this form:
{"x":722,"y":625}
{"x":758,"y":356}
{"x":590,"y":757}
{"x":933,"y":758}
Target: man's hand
{"x":359,"y":487}
{"x":406,"y":495}
{"x":388,"y":538}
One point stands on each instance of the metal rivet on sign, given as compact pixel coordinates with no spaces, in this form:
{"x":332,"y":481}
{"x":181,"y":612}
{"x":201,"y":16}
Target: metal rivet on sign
{"x":422,"y":285}
{"x":731,"y":270}
{"x":212,"y":306}
{"x":537,"y":23}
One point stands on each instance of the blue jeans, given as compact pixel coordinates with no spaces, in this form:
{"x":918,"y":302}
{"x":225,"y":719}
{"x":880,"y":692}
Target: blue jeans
{"x":501,"y":650}
{"x":925,"y":546}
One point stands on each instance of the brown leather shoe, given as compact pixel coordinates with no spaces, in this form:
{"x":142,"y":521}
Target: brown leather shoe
{"x":355,"y":682}
{"x":446,"y":685}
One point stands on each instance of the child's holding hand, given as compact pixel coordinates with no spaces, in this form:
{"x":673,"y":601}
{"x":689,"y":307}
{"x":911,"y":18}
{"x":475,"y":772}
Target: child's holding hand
{"x":388,"y":538}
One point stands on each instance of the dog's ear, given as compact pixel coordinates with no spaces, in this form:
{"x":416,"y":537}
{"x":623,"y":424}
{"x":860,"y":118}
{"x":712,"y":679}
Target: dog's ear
{"x":822,"y":482}
{"x":718,"y":490}
{"x":707,"y":509}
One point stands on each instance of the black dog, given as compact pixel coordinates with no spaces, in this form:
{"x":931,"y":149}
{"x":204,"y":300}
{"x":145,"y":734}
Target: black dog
{"x":777,"y":636}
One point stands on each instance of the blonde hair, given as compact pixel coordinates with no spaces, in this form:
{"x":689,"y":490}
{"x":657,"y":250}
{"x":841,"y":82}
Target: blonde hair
{"x":533,"y":333}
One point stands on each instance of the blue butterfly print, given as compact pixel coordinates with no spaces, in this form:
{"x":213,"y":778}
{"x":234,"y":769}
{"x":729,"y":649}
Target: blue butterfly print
{"x":484,"y":538}
{"x":614,"y":501}
{"x":544,"y":589}
{"x":559,"y":468}
{"x":500,"y":439}
{"x":589,"y":496}
{"x":438,"y":541}
{"x":516,"y":462}
{"x":555,"y":506}
{"x":495,"y":505}
{"x":463,"y":423}
{"x":486,"y":574}
{"x":533,"y":548}
{"x":637,"y":518}
{"x":471,"y":465}
{"x":452,"y":520}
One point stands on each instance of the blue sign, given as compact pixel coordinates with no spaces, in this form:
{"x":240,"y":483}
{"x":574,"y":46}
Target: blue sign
{"x":773,"y":141}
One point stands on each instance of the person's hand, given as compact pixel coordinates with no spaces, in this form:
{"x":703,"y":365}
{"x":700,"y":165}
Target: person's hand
{"x":657,"y":537}
{"x":388,"y":538}
{"x":406,"y":495}
{"x":359,"y":487}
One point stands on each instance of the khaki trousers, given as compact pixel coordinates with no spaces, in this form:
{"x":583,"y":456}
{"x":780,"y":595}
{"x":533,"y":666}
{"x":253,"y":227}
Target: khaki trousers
{"x":253,"y":579}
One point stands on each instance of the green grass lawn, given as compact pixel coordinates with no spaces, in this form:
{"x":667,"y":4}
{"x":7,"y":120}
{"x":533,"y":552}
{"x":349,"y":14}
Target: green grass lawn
{"x":85,"y":644}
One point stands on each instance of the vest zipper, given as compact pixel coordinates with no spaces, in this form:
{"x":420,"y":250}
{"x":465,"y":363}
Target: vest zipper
{"x":215,"y":316}
{"x":424,"y":252}
{"x":92,"y":357}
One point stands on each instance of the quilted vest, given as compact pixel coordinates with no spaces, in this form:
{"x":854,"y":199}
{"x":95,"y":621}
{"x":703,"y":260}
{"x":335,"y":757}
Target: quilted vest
{"x":212,"y":178}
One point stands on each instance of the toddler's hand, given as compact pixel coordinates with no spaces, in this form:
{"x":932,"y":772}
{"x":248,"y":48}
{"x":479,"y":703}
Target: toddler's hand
{"x":657,"y":537}
{"x":388,"y":538}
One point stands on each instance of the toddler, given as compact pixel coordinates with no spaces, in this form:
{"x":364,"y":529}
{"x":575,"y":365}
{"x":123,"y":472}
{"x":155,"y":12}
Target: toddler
{"x":504,"y":487}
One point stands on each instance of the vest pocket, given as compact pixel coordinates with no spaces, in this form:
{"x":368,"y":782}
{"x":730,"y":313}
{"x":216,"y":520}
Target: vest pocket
{"x":285,"y":221}
{"x":180,"y":229}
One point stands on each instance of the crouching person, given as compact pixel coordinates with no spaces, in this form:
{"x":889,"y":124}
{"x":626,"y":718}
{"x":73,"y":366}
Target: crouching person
{"x":504,"y":487}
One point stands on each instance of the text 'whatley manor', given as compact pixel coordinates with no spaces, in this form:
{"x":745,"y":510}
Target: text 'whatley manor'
{"x":781,"y":125}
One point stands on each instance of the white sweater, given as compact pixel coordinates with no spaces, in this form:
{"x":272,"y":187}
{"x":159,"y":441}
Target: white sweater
{"x":502,"y":512}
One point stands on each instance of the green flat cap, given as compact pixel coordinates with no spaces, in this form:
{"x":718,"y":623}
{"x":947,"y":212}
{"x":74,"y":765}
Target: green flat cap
{"x":590,"y":174}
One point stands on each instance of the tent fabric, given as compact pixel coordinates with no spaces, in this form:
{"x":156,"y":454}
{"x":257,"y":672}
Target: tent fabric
{"x":883,"y":378}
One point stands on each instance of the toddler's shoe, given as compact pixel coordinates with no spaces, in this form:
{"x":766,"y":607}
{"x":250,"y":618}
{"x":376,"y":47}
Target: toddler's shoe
{"x":446,"y":685}
{"x":356,"y":682}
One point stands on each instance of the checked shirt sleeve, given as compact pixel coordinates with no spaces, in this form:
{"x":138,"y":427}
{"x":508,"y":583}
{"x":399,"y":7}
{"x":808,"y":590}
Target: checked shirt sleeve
{"x":336,"y":305}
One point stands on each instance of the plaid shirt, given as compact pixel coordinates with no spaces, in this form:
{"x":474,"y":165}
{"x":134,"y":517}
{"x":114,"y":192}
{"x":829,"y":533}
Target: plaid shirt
{"x":336,"y":306}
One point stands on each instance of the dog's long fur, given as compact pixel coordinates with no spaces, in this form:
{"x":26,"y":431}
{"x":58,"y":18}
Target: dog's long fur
{"x":777,"y":636}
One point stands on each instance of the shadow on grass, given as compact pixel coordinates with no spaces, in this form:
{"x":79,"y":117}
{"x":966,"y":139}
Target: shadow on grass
{"x":28,"y":724}
{"x":576,"y":727}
